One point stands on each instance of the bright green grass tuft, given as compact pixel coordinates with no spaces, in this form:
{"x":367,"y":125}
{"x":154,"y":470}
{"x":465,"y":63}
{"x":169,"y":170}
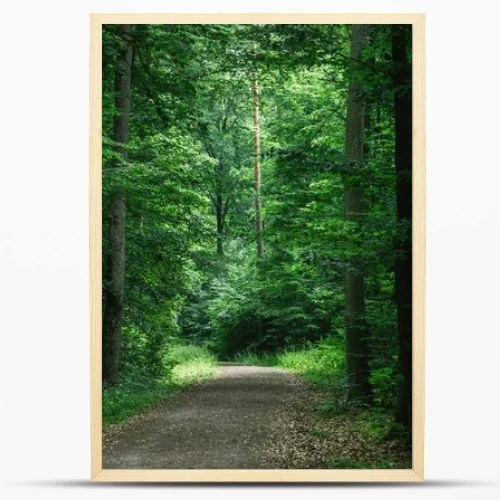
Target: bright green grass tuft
{"x":191,"y":372}
{"x":321,"y":364}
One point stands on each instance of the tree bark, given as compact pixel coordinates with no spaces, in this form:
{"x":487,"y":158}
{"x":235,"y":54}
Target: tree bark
{"x":259,"y":327}
{"x":115,"y":278}
{"x":401,"y":44}
{"x":258,"y":201}
{"x":354,"y":319}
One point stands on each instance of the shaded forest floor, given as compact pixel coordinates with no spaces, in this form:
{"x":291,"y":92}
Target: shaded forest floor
{"x":251,"y":417}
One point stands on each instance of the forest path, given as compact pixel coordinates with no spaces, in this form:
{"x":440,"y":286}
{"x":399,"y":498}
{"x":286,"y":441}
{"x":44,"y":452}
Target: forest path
{"x":242,"y":419}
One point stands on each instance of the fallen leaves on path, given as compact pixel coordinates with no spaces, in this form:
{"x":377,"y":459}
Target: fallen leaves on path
{"x":303,"y":438}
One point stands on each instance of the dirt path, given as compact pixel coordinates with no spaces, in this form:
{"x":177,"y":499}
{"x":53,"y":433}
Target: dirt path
{"x":236,"y":421}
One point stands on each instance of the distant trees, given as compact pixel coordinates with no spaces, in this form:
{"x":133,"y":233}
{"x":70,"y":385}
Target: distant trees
{"x":221,"y":131}
{"x":220,"y":183}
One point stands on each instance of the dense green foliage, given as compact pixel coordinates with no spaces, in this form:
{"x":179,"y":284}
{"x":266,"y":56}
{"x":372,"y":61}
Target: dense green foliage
{"x":192,"y":274}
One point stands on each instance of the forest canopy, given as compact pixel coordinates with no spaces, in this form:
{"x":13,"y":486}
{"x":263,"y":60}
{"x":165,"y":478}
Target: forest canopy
{"x":257,"y":202}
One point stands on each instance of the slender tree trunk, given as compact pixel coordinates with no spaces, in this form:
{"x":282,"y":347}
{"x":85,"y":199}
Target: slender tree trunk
{"x":220,"y":222}
{"x":115,"y":278}
{"x":401,"y":44}
{"x":354,"y":320}
{"x":259,"y":327}
{"x":258,"y":202}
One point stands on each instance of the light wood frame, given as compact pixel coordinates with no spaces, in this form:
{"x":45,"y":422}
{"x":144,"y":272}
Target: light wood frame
{"x":95,"y":184}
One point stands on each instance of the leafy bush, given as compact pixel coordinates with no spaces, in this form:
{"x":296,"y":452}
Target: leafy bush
{"x":268,"y":306}
{"x":128,"y":398}
{"x":383,"y":382}
{"x":183,"y":365}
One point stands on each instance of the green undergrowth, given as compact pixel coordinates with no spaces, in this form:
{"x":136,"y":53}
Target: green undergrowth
{"x":321,"y":364}
{"x":183,"y":365}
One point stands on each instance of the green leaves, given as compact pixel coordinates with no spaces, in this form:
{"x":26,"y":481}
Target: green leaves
{"x":188,"y":180}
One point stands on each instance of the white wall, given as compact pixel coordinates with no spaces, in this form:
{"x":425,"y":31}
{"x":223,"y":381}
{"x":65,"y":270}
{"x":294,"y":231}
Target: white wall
{"x":44,"y":367}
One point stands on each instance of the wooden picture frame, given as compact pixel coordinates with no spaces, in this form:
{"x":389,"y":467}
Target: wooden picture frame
{"x":95,"y":185}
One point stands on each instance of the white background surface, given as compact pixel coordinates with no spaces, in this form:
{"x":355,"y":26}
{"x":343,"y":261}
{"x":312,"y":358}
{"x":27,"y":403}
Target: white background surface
{"x":44,"y":365}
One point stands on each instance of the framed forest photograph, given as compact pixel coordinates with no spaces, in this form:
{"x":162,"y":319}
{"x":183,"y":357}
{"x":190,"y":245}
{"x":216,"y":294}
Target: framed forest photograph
{"x":257,"y":247}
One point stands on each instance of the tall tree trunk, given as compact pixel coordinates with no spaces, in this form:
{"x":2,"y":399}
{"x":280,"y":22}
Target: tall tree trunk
{"x":115,"y":278}
{"x":401,"y":44}
{"x":259,"y":327}
{"x":219,"y":215}
{"x":354,"y":319}
{"x":258,"y":202}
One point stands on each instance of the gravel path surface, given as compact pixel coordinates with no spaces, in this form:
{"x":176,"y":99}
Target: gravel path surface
{"x":235,"y":421}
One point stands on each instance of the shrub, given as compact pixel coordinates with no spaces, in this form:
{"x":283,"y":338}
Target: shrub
{"x":182,"y":365}
{"x":383,"y":382}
